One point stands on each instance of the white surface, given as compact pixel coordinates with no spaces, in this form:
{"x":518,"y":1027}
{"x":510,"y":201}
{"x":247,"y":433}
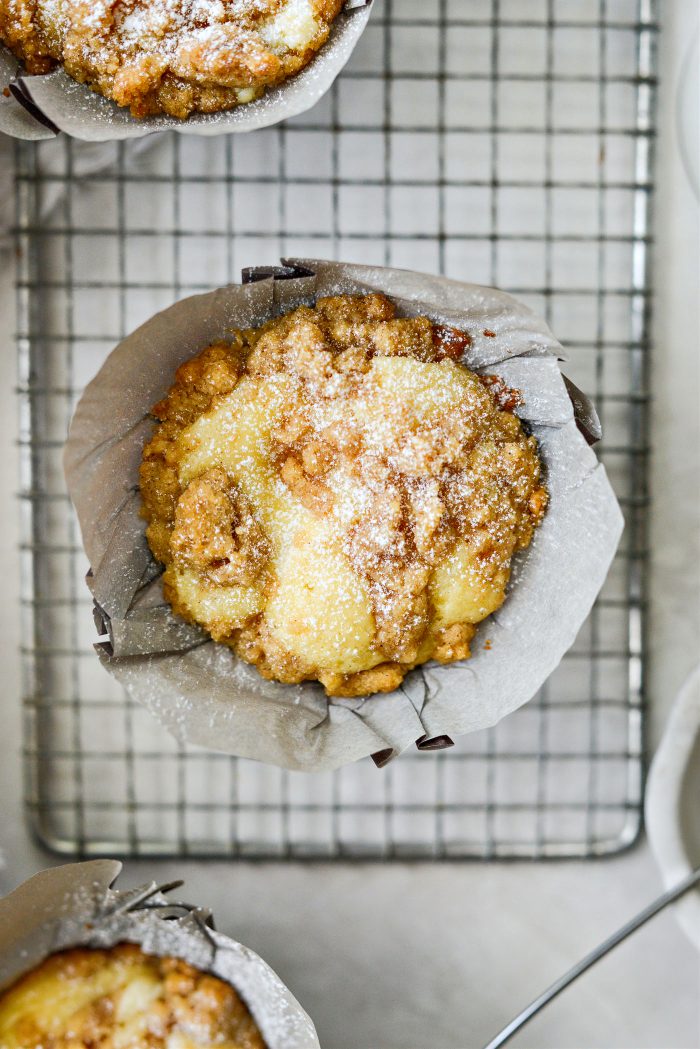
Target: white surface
{"x":687,"y":116}
{"x":672,"y":809}
{"x":398,"y":974}
{"x":675,"y":475}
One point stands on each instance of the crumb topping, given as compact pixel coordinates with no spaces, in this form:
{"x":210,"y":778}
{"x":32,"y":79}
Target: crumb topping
{"x":169,"y":56}
{"x":121,"y":998}
{"x":337,"y":497}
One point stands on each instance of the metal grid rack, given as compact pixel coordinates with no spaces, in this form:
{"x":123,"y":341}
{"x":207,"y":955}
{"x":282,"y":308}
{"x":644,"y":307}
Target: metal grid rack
{"x":462,"y":138}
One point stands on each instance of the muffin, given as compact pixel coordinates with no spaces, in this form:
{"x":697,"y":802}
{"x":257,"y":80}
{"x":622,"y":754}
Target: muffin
{"x":201,"y":689}
{"x":337,"y":497}
{"x":86,"y":964}
{"x":173,"y":57}
{"x":122,"y":998}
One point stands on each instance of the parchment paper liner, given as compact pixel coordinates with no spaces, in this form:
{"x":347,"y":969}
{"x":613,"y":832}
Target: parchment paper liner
{"x":74,"y":906}
{"x":41,"y":106}
{"x":199,"y":689}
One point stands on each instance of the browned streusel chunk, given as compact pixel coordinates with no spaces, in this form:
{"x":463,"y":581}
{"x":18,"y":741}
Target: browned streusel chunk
{"x":121,"y":998}
{"x":337,"y":497}
{"x":169,"y":56}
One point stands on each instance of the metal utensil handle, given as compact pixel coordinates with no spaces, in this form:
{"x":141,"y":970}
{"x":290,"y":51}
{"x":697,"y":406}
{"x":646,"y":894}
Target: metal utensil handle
{"x":577,"y":970}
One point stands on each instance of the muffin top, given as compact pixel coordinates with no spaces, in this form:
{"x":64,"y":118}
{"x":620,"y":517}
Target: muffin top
{"x":169,"y":56}
{"x":122,"y":998}
{"x":337,"y":497}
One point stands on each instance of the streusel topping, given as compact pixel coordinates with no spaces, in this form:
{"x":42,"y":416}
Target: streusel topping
{"x":337,"y":497}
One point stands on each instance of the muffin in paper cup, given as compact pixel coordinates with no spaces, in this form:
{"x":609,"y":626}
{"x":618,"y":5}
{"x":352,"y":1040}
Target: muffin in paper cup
{"x":75,"y":906}
{"x":199,"y":689}
{"x":44,"y":104}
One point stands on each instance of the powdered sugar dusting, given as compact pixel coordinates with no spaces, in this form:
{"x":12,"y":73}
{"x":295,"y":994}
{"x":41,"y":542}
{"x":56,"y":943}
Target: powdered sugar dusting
{"x":349,"y":495}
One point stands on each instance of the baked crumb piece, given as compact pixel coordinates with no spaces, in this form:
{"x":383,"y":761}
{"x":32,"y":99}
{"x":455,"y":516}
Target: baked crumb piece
{"x":337,"y":497}
{"x":452,"y":643}
{"x":121,"y":998}
{"x":169,"y":56}
{"x":383,"y":678}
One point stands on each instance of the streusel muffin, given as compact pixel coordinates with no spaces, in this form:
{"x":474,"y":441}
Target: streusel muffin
{"x":169,"y":56}
{"x":337,"y":497}
{"x":121,"y":998}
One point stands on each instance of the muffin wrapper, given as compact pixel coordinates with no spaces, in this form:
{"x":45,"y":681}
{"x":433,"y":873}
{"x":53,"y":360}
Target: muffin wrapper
{"x":199,"y":689}
{"x":74,"y":906}
{"x":41,"y":106}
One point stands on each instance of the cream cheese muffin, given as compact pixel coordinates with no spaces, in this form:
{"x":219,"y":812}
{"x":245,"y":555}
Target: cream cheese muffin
{"x":169,"y":56}
{"x":337,"y":497}
{"x":121,"y":998}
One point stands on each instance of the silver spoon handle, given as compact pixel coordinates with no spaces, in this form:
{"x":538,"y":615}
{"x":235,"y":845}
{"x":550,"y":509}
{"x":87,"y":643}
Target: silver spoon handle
{"x":577,"y":970}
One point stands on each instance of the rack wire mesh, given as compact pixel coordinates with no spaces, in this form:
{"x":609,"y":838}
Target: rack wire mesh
{"x":500,"y":142}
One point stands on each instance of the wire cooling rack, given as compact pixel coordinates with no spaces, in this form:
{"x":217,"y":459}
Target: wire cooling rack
{"x":496,"y":141}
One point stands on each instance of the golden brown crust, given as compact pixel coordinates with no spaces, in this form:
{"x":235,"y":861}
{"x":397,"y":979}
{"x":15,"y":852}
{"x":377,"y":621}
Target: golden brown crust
{"x":380,"y":491}
{"x":121,"y":997}
{"x":169,"y":56}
